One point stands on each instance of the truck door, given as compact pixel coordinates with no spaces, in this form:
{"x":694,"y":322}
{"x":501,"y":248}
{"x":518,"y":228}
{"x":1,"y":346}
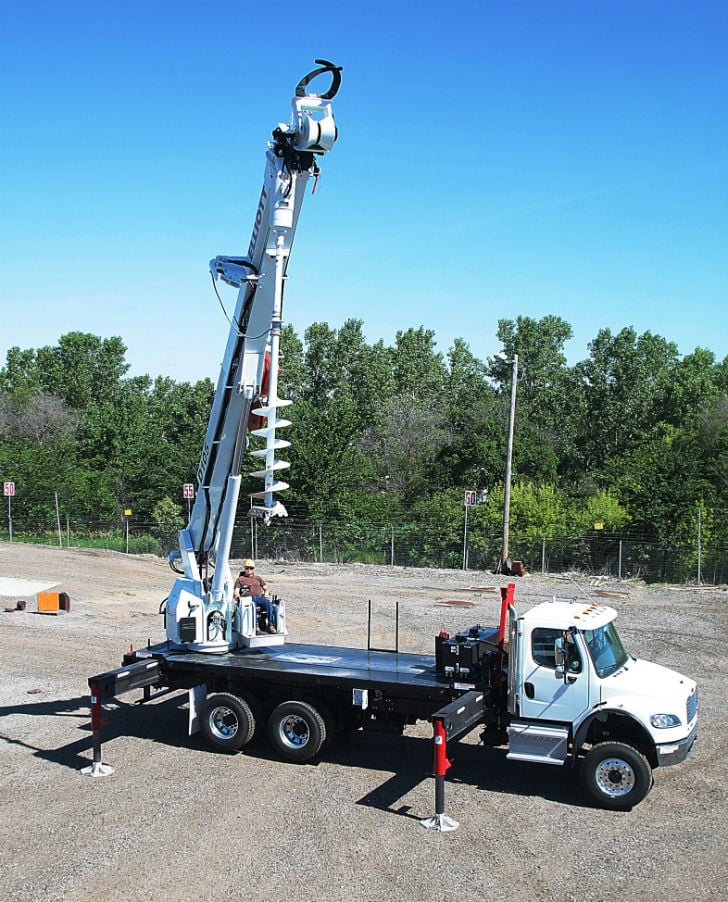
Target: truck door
{"x":545,"y":695}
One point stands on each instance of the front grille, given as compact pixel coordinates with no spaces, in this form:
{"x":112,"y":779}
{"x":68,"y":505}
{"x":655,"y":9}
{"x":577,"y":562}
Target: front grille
{"x":692,"y":707}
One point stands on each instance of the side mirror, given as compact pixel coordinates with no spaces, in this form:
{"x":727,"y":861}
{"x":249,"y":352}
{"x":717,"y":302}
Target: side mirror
{"x":560,"y":658}
{"x":560,"y":651}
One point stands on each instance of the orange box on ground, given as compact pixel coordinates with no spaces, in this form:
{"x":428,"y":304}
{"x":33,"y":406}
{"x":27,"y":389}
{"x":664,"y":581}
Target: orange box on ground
{"x":53,"y":602}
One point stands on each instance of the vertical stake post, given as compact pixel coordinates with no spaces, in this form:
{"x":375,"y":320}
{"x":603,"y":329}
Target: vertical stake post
{"x":58,"y":521}
{"x":465,"y":540}
{"x":619,"y":565}
{"x":507,"y":593}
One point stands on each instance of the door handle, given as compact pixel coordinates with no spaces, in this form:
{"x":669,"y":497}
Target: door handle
{"x":529,"y":690}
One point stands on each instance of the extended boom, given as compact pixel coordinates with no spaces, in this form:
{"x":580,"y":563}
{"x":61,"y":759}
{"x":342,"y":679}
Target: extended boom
{"x":200,"y":614}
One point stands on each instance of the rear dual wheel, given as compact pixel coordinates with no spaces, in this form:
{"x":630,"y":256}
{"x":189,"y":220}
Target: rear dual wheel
{"x":297,"y":730}
{"x":227,"y":721}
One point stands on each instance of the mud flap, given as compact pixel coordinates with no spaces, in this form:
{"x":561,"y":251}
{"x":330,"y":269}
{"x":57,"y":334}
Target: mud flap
{"x":198,"y":696}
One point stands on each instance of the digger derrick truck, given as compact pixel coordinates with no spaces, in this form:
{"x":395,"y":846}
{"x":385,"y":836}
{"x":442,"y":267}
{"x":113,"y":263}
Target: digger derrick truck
{"x":553,"y":685}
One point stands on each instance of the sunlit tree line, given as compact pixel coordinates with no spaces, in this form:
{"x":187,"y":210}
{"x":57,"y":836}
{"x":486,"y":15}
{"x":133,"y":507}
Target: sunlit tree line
{"x":634,"y":436}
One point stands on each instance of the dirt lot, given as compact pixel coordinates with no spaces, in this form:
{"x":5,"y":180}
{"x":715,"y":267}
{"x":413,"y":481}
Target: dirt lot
{"x":179,"y":822}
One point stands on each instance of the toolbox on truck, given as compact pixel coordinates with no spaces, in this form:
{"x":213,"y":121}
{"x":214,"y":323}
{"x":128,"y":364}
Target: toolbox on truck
{"x":466,"y":654}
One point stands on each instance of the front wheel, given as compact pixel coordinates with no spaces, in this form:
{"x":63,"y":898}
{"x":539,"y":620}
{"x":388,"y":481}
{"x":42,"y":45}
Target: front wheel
{"x":616,"y":775}
{"x":227,"y":722}
{"x":297,"y":730}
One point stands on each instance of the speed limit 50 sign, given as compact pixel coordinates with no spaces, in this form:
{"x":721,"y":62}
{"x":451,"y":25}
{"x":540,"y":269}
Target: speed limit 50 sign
{"x":8,"y":489}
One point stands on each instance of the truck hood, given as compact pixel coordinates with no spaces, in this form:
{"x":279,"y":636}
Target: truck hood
{"x":643,"y":688}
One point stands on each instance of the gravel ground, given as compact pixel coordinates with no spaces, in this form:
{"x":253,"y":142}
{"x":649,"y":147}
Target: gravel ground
{"x":178,"y":821}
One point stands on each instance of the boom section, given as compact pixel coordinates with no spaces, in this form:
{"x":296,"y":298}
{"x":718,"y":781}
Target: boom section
{"x":246,"y":400}
{"x":251,"y":357}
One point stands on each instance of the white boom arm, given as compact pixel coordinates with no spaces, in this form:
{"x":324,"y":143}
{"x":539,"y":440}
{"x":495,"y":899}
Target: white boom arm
{"x":200,"y":614}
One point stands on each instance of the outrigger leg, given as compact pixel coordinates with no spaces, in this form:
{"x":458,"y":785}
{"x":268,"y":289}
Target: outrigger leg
{"x":97,"y":768}
{"x":440,"y":821}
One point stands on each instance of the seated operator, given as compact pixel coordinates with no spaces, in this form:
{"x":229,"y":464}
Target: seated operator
{"x":249,"y":584}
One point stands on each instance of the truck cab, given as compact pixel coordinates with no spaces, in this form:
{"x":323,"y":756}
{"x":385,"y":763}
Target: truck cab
{"x":576,"y":694}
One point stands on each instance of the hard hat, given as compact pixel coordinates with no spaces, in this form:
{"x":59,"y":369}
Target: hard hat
{"x":248,"y":563}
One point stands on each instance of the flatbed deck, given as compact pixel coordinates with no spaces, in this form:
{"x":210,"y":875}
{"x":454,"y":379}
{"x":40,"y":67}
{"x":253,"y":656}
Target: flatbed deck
{"x":306,"y":693}
{"x":396,"y":673}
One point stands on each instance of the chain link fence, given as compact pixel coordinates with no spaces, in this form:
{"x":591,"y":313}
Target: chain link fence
{"x":410,"y":545}
{"x":617,"y":556}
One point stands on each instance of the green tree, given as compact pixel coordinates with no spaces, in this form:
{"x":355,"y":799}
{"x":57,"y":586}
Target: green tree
{"x":542,"y":362}
{"x":419,"y":370}
{"x":82,"y":368}
{"x":601,"y":507}
{"x":625,"y":385}
{"x":168,"y":522}
{"x":544,"y":431}
{"x":340,"y":380}
{"x":470,"y":447}
{"x":20,"y":378}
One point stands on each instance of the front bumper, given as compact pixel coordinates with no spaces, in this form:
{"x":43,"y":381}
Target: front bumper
{"x":676,"y":752}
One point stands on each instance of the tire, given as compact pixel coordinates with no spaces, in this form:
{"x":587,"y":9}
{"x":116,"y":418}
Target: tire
{"x":616,"y":775}
{"x":227,"y":722}
{"x":297,"y":731}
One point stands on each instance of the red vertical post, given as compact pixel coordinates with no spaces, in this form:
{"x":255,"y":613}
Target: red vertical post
{"x":507,"y":593}
{"x":441,"y":761}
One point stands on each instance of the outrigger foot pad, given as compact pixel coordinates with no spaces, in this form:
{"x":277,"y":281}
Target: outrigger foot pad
{"x":97,"y":769}
{"x":440,"y":822}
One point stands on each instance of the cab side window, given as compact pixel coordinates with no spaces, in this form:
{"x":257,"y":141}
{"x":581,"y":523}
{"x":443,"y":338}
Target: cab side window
{"x":542,"y":649}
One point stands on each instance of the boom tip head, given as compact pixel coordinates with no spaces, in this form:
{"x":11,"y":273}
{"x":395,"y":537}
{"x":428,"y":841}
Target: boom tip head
{"x":324,"y":67}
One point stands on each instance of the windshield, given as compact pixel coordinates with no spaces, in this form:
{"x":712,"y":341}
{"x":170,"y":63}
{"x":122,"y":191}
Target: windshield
{"x":605,"y":649}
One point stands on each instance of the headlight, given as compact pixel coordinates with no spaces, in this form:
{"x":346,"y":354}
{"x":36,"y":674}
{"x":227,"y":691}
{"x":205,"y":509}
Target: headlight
{"x":663,"y":721}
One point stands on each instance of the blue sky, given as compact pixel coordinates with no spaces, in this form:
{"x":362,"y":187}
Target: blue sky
{"x":495,"y":159}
